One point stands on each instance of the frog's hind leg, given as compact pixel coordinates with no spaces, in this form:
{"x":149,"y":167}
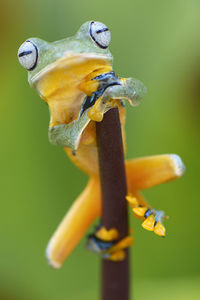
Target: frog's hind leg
{"x":83,"y":212}
{"x":144,"y":173}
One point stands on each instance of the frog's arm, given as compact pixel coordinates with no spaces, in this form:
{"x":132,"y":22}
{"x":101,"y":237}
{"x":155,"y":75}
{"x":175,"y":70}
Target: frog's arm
{"x":129,"y":89}
{"x":83,"y":212}
{"x":68,"y":135}
{"x":126,"y":89}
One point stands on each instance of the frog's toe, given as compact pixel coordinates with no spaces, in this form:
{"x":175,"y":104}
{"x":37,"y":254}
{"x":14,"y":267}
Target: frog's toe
{"x":153,"y":221}
{"x":152,"y":218}
{"x":107,"y":234}
{"x":117,"y":256}
{"x":132,"y":201}
{"x":159,"y":229}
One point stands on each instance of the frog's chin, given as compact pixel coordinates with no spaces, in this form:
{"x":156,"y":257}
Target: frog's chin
{"x":68,"y":61}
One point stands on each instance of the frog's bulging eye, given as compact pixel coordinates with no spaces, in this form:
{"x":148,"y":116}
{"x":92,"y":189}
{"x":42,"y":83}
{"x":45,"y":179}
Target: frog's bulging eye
{"x":100,"y":34}
{"x":28,"y":55}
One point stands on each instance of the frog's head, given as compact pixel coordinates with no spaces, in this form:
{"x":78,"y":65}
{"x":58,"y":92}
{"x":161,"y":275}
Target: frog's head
{"x":88,"y":48}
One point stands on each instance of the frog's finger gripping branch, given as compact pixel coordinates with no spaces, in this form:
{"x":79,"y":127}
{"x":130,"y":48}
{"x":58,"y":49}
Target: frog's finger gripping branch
{"x":107,"y":244}
{"x":105,"y":81}
{"x":121,"y":89}
{"x":110,"y":88}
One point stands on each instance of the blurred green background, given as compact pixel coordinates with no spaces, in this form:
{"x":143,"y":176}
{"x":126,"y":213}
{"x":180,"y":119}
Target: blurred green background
{"x":154,"y":41}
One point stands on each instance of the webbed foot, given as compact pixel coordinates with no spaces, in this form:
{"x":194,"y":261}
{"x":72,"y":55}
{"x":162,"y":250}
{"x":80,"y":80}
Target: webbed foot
{"x":152,"y":218}
{"x":107,"y":244}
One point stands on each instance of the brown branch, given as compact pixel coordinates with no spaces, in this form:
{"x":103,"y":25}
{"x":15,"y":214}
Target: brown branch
{"x":115,"y":275}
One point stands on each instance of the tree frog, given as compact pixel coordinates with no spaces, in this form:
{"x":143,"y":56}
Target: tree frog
{"x":75,"y":77}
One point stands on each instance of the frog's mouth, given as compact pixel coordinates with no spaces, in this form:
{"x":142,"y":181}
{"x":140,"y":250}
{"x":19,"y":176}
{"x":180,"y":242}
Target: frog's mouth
{"x":69,"y":61}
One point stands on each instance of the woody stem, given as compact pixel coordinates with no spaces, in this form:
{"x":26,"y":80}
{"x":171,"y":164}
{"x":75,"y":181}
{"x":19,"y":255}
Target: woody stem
{"x":115,"y":275}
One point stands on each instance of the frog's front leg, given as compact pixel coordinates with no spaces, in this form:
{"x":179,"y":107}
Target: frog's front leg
{"x":125,"y":89}
{"x":68,"y":135}
{"x":130,"y":89}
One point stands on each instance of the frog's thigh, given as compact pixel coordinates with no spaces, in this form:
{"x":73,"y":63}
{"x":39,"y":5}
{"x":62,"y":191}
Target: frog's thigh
{"x":149,"y":171}
{"x":83,"y":212}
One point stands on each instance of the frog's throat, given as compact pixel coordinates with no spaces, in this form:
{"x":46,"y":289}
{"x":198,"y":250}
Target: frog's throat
{"x":67,"y":61}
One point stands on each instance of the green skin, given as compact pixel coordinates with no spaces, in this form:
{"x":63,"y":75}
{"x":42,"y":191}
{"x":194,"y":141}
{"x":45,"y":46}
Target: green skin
{"x":68,"y":135}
